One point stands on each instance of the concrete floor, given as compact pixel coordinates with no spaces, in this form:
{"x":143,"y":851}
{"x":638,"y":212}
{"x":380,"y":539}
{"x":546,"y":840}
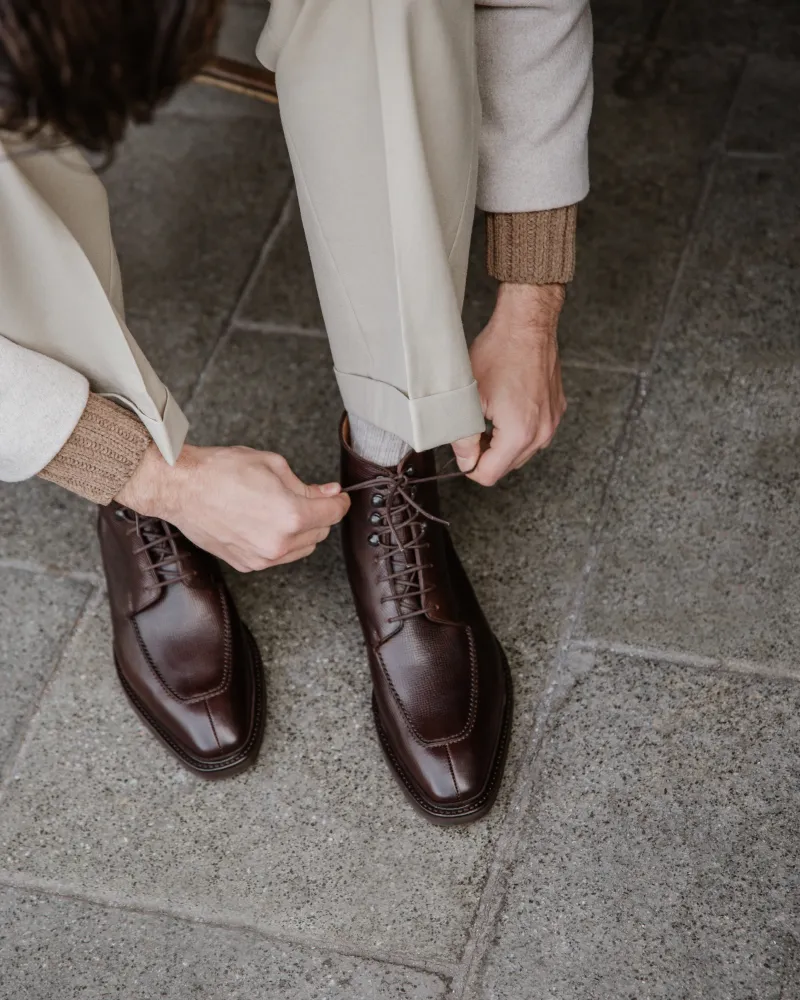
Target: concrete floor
{"x":642,"y":574}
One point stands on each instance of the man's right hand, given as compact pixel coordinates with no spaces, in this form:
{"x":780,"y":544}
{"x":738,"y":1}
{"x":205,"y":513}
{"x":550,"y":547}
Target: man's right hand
{"x":244,"y":506}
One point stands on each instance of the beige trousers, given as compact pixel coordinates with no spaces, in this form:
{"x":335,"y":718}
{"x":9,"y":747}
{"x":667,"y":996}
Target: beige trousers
{"x":380,"y":105}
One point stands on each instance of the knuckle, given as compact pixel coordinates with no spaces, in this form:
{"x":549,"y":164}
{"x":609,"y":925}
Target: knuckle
{"x":271,"y":551}
{"x":293,"y":520}
{"x":278,"y":463}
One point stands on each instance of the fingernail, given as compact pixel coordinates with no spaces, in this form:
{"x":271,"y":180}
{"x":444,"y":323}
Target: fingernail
{"x":330,"y":489}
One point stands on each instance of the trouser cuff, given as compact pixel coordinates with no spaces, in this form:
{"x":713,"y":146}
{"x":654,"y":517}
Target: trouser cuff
{"x":423,"y":423}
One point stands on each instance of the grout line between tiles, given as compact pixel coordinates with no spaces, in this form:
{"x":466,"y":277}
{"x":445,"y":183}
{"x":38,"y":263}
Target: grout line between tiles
{"x":232,"y":321}
{"x":610,"y":367}
{"x":680,"y":658}
{"x":93,"y":600}
{"x":266,"y":328}
{"x":755,"y":156}
{"x":563,"y":676}
{"x":228,"y":921}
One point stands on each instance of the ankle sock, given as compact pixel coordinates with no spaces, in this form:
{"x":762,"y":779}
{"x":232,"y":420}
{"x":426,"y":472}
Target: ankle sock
{"x":375,"y":445}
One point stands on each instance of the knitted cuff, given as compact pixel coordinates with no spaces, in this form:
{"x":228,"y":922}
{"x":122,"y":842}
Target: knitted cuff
{"x":532,"y":248}
{"x":101,"y":454}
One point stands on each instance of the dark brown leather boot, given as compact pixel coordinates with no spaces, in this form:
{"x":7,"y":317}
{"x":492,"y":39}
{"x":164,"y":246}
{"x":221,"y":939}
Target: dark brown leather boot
{"x":187,"y":663}
{"x":442,"y":695}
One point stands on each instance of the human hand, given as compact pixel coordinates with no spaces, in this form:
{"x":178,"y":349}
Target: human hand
{"x":516,"y":365}
{"x":244,"y":506}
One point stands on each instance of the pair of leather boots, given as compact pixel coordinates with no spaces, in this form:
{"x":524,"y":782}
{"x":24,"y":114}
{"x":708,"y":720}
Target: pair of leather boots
{"x":442,"y":699}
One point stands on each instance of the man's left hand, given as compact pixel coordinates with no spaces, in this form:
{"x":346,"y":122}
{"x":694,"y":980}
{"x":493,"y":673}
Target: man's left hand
{"x":516,"y":365}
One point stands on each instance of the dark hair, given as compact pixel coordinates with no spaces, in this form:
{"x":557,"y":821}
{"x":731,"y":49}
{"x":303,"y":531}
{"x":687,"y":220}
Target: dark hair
{"x":85,"y":69}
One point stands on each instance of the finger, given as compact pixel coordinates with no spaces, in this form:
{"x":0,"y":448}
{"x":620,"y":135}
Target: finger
{"x":313,"y":537}
{"x":321,"y":511}
{"x":314,"y":492}
{"x":497,"y":460}
{"x":467,"y":451}
{"x":240,"y":561}
{"x":293,"y":556}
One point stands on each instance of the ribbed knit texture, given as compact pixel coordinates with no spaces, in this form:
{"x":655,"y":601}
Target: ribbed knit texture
{"x":532,"y":248}
{"x":102,"y":453}
{"x":377,"y":446}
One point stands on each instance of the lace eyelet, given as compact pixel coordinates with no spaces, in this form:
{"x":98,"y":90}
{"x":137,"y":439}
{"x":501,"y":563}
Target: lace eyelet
{"x":375,"y":518}
{"x":120,"y":515}
{"x":374,"y":540}
{"x":377,"y":500}
{"x":409,"y":471}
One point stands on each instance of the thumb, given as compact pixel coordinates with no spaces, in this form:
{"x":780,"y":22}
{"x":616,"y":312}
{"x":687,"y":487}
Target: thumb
{"x":314,"y":492}
{"x":329,"y":504}
{"x":467,"y":452}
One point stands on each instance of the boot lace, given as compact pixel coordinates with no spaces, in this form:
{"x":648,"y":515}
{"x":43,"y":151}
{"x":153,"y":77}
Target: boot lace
{"x":159,"y":541}
{"x":400,"y":526}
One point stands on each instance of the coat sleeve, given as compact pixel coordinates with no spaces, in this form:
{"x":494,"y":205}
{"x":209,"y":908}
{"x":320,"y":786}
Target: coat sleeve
{"x":535,"y":75}
{"x":41,"y":402}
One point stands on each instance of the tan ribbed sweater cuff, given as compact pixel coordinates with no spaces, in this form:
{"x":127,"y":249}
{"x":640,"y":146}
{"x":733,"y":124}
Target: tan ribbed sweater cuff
{"x":532,"y":248}
{"x":101,"y":454}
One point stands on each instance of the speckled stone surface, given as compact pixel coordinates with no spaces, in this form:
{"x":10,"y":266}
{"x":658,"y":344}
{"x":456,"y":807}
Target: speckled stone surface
{"x":659,"y":855}
{"x":69,"y":949}
{"x":701,"y":548}
{"x":764,"y":119}
{"x":317,"y":840}
{"x":36,"y":615}
{"x":769,"y":26}
{"x":645,"y":844}
{"x":284,"y":294}
{"x":44,"y":525}
{"x":186,"y":253}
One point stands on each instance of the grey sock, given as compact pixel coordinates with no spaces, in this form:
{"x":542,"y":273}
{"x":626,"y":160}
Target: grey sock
{"x":375,"y":445}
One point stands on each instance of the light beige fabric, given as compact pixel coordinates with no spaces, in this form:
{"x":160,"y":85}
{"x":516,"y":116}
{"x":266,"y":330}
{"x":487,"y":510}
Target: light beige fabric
{"x":379,"y":103}
{"x":381,"y":109}
{"x":61,"y":297}
{"x":535,"y":72}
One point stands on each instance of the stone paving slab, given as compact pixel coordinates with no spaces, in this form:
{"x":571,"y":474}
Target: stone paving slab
{"x":659,"y":854}
{"x":284,"y":293}
{"x":185,"y":257}
{"x":769,"y":26}
{"x":701,"y":548}
{"x":53,"y":947}
{"x":647,"y":161}
{"x":765,"y":116}
{"x":36,"y":615}
{"x":191,"y":209}
{"x":317,"y":840}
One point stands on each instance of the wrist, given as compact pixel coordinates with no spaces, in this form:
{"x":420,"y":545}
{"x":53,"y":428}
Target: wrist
{"x":537,"y":307}
{"x":155,"y":488}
